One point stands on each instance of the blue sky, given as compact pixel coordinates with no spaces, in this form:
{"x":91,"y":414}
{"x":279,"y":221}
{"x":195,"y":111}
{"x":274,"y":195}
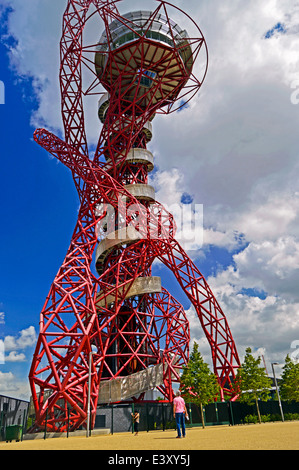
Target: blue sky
{"x":234,"y":149}
{"x":38,"y":213}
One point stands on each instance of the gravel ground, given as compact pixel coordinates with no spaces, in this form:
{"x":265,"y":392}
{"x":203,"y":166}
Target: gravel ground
{"x":268,"y":436}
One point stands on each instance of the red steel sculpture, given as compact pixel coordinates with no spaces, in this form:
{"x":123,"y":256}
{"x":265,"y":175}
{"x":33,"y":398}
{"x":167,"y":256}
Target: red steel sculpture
{"x":100,"y":325}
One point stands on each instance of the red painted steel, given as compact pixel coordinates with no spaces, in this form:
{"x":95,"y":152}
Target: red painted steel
{"x":131,"y":333}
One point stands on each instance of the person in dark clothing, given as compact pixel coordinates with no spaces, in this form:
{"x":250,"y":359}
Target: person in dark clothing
{"x":136,"y":417}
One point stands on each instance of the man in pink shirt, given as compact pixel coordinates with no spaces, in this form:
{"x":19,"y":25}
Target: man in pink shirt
{"x":179,"y":413}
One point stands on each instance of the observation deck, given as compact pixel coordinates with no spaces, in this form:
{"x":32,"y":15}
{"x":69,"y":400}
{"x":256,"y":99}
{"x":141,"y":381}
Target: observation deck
{"x":149,"y":54}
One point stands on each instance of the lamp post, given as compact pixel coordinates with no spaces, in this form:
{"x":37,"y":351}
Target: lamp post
{"x":280,"y":406}
{"x":88,"y":394}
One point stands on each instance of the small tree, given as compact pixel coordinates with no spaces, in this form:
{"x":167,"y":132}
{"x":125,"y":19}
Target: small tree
{"x":289,"y":385}
{"x":252,"y":382}
{"x":198,"y":384}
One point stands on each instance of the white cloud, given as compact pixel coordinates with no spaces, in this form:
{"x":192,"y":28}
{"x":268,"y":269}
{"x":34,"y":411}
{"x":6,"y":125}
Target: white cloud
{"x":2,"y":352}
{"x":25,"y":339}
{"x":223,"y":239}
{"x":7,"y":382}
{"x":11,"y":352}
{"x":271,"y":219}
{"x":268,"y":266}
{"x":11,"y":386}
{"x":12,"y":346}
{"x":240,"y":134}
{"x":13,"y":356}
{"x":170,"y":191}
{"x":37,"y":28}
{"x":270,"y":323}
{"x":273,"y":266}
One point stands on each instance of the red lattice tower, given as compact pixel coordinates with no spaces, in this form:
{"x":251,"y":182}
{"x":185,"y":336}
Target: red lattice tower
{"x":122,"y":315}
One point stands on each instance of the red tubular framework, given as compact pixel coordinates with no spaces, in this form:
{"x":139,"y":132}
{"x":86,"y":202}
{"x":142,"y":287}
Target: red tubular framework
{"x":123,"y":316}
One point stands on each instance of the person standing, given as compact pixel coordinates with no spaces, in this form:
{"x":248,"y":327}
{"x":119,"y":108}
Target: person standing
{"x":136,"y":417}
{"x":179,"y":413}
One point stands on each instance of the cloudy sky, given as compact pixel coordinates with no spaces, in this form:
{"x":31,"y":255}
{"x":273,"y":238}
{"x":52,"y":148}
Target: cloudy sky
{"x":234,"y":151}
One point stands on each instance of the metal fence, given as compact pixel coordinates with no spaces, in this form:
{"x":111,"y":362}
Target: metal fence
{"x":119,"y":419}
{"x":155,"y":415}
{"x":12,"y":412}
{"x":271,"y":407}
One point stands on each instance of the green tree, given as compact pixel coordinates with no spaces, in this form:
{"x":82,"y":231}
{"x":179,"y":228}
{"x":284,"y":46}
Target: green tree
{"x":252,"y":382}
{"x":198,"y":384}
{"x":289,"y":385}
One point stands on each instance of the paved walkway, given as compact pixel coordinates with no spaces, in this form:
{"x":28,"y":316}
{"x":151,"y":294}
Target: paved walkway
{"x":268,"y":436}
